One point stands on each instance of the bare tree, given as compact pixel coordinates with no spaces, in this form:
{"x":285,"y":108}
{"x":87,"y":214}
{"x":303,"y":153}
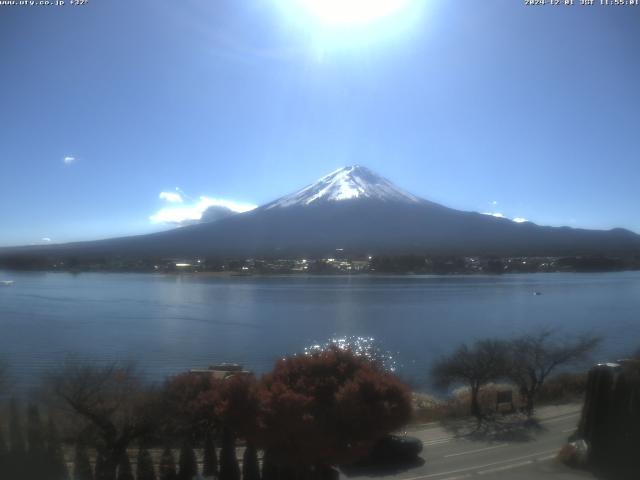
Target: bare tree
{"x":113,"y":406}
{"x":474,"y":366}
{"x":536,"y":355}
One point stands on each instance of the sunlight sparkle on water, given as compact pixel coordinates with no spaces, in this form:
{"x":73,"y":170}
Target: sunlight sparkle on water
{"x":365,"y":346}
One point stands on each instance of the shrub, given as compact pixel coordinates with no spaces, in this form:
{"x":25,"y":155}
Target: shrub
{"x":82,"y":465}
{"x":328,"y":408}
{"x":210,"y":459}
{"x":167,"y":466}
{"x":144,"y":469}
{"x":564,"y":387}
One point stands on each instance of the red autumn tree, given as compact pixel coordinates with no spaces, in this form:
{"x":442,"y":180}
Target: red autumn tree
{"x":237,"y":405}
{"x":198,"y":403}
{"x":237,"y":411}
{"x":328,"y":408}
{"x":190,"y":401}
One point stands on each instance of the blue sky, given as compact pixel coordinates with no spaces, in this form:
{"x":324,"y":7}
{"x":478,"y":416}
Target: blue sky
{"x":489,"y":106}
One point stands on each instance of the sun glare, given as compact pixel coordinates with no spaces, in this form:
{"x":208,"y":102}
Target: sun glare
{"x":350,"y":24}
{"x":351,"y":12}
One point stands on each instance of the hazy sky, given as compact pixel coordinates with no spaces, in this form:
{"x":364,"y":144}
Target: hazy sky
{"x":489,"y":105}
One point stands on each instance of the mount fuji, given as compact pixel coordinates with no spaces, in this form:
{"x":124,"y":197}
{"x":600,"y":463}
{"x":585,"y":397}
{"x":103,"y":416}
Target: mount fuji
{"x":361,"y":213}
{"x":347,"y":183}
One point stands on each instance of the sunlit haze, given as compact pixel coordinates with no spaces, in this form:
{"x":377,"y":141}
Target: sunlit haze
{"x":351,"y":12}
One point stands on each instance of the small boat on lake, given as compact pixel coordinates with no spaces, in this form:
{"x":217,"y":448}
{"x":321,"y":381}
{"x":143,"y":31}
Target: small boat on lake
{"x":6,"y":283}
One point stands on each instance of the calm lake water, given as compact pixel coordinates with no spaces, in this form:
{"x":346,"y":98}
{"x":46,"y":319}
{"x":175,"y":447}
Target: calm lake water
{"x":171,"y":323}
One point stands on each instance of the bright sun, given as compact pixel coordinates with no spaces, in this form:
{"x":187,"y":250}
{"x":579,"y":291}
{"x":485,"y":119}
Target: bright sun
{"x":351,"y":12}
{"x":334,"y":25}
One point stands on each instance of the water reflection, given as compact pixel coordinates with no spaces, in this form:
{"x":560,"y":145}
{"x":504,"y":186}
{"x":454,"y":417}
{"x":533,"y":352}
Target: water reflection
{"x":365,"y":346}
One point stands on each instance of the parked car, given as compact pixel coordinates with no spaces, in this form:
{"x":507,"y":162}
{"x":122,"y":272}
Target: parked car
{"x":392,"y":449}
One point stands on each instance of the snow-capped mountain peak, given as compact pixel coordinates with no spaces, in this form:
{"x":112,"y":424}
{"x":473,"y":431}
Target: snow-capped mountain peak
{"x":347,"y":183}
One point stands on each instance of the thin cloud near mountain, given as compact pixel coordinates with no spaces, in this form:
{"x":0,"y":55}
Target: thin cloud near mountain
{"x":181,"y":213}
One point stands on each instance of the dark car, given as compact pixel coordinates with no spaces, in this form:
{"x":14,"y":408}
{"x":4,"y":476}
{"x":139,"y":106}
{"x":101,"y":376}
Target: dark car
{"x":392,"y":449}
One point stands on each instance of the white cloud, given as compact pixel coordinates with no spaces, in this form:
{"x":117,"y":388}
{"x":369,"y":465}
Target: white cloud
{"x":501,"y":215}
{"x":495,"y":202}
{"x":171,"y":197}
{"x":237,"y":207}
{"x":188,"y":213}
{"x":45,"y":239}
{"x":69,"y":159}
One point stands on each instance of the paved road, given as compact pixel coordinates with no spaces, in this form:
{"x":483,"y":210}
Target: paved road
{"x":502,"y":449}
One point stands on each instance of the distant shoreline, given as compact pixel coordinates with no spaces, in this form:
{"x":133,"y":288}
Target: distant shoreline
{"x":338,"y":263}
{"x":309,"y":274}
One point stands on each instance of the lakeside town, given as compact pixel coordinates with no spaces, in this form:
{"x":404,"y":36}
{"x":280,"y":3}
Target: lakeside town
{"x":336,"y":263}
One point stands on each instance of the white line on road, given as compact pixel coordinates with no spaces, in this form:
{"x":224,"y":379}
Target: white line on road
{"x":477,"y":467}
{"x":559,"y":419}
{"x":506,"y":467}
{"x":548,"y":457}
{"x":476,"y":450}
{"x":438,"y":441}
{"x":425,"y":426}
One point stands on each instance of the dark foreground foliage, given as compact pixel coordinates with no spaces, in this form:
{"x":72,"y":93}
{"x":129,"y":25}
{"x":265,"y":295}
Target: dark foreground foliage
{"x":311,"y":413}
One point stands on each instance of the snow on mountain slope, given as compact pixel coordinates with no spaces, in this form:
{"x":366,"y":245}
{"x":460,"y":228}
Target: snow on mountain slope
{"x":347,"y":183}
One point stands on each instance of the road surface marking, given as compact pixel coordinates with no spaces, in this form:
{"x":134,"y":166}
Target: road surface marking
{"x":475,"y":451}
{"x":438,"y":441}
{"x":459,"y":477}
{"x":559,"y":419}
{"x":506,"y":467}
{"x":477,"y":467}
{"x":426,"y":426}
{"x":548,"y":457}
{"x":569,"y":430}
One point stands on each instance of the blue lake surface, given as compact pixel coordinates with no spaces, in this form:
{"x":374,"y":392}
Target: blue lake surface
{"x":169,"y":323}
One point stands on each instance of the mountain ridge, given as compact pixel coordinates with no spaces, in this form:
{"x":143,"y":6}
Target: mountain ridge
{"x":357,"y":211}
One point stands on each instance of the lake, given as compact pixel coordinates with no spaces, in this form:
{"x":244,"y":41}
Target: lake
{"x":170,"y":323}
